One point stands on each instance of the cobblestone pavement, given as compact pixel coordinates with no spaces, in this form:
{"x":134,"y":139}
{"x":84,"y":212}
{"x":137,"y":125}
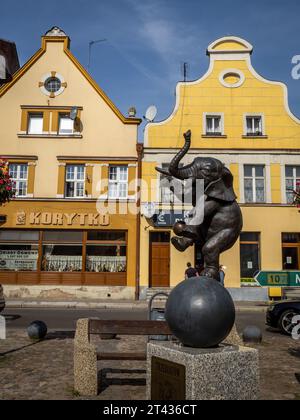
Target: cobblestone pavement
{"x":44,"y":370}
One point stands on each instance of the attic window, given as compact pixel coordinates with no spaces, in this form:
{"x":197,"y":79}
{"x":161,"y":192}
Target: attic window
{"x":52,"y":84}
{"x":231,"y":78}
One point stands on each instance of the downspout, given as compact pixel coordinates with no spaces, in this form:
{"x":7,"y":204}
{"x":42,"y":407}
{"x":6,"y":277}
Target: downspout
{"x":139,"y":149}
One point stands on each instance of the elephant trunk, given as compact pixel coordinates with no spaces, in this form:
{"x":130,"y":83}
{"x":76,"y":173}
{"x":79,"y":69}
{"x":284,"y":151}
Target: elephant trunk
{"x":187,"y":171}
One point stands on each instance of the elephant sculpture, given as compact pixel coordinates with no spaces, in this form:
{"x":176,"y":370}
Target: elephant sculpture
{"x":222,"y":216}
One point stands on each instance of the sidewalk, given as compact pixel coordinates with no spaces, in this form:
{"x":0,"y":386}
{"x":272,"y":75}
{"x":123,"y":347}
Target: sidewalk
{"x":111,"y":304}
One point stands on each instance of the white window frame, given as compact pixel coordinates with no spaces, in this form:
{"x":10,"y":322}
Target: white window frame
{"x":254,"y":178}
{"x":17,"y":179}
{"x":31,"y":116}
{"x":117,"y":182}
{"x":75,"y":180}
{"x":262,"y":122}
{"x":64,"y":117}
{"x":294,"y":178}
{"x":207,"y":115}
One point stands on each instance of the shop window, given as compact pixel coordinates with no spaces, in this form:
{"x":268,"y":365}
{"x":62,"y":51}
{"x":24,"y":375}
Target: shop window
{"x":19,"y":175}
{"x":292,"y":180}
{"x":249,"y":254}
{"x":106,"y":252}
{"x":62,"y":258}
{"x":35,"y":123}
{"x":19,"y":250}
{"x":118,"y":182}
{"x":75,"y":179}
{"x":66,"y":125}
{"x":254,"y":183}
{"x":66,"y":236}
{"x":94,"y":235}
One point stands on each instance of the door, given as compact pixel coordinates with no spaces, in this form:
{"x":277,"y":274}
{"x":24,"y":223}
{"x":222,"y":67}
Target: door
{"x":159,"y":259}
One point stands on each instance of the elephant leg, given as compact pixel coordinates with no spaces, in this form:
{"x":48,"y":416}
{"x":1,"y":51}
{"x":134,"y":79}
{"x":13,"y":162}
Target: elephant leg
{"x":211,"y":252}
{"x":181,"y":244}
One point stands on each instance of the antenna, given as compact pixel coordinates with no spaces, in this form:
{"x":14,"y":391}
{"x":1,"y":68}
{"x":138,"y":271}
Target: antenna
{"x":151,"y":113}
{"x":184,"y":70}
{"x":91,"y":43}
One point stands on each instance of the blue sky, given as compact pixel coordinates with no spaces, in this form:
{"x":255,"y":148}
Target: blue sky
{"x":147,"y":41}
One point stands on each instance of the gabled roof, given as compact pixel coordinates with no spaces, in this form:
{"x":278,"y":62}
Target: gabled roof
{"x":65,"y":39}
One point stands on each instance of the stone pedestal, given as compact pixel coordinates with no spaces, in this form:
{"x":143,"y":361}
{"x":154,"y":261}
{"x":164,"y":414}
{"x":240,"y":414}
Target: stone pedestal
{"x":175,"y":372}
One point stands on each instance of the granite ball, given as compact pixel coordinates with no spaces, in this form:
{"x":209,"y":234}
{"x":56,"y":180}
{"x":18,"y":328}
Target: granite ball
{"x":252,"y":334}
{"x":200,"y":312}
{"x":37,"y":330}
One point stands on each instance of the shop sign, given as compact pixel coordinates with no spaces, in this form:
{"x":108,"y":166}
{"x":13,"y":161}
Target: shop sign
{"x":61,"y":219}
{"x":18,"y":260}
{"x":168,"y":218}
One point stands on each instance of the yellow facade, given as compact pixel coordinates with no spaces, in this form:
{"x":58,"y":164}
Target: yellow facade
{"x":232,"y":90}
{"x":101,"y":137}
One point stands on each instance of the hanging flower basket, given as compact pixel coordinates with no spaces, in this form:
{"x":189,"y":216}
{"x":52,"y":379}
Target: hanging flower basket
{"x":6,"y":184}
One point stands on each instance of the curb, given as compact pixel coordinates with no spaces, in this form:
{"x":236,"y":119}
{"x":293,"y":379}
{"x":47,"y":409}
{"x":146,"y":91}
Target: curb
{"x":141,"y":305}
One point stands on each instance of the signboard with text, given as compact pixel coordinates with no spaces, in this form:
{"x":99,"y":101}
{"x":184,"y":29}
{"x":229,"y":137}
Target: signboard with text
{"x":278,"y":278}
{"x":165,"y":218}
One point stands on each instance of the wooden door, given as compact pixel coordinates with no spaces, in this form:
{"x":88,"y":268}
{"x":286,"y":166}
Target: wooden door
{"x":160,"y":264}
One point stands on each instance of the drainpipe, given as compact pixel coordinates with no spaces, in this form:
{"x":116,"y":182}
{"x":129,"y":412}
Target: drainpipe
{"x":139,"y":149}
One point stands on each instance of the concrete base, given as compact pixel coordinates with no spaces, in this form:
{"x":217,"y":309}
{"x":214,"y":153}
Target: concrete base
{"x":175,"y":372}
{"x":69,"y":292}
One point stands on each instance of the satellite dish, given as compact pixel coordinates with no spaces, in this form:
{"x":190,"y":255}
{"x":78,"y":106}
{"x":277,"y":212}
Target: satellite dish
{"x":74,"y":113}
{"x":151,"y":113}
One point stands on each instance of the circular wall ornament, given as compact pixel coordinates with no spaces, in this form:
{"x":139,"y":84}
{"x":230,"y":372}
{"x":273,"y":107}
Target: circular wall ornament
{"x":231,"y":78}
{"x":52,"y":84}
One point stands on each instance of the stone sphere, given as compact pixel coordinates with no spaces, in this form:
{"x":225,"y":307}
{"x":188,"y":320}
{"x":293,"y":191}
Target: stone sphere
{"x":200,"y":312}
{"x":37,"y":330}
{"x":252,"y":334}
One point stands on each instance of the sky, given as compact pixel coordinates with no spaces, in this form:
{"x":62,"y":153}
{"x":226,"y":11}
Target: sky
{"x":148,"y":41}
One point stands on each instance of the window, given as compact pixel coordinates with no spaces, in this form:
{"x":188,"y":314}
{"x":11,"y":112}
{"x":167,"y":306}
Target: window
{"x":118,"y":182}
{"x":292,"y":179}
{"x":63,"y":251}
{"x":254,"y":126}
{"x":214,"y":125}
{"x":19,"y":175}
{"x":291,"y":251}
{"x":75,"y":178}
{"x":254,"y":183}
{"x":35,"y":123}
{"x":106,"y":252}
{"x":66,"y":125}
{"x":249,"y":254}
{"x":19,"y":250}
{"x":52,"y":84}
{"x":171,"y":189}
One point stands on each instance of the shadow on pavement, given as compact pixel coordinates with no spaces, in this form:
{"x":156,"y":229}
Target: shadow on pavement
{"x":105,"y":382}
{"x":60,"y":335}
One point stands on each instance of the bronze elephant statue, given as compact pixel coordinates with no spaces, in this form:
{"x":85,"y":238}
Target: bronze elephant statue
{"x":222,"y":216}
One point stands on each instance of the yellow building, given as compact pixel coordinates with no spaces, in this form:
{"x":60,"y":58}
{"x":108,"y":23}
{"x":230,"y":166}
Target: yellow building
{"x":244,"y":120}
{"x":71,"y":153}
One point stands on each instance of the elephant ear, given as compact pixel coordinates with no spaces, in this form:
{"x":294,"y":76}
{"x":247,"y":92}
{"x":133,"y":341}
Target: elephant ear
{"x":222,"y":189}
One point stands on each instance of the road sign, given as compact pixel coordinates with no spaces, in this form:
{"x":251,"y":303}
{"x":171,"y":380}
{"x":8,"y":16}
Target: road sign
{"x":278,"y":278}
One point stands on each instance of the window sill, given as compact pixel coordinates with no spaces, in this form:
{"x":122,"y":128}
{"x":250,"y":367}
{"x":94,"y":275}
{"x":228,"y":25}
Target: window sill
{"x":253,"y":136}
{"x":214,"y":136}
{"x":50,"y":136}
